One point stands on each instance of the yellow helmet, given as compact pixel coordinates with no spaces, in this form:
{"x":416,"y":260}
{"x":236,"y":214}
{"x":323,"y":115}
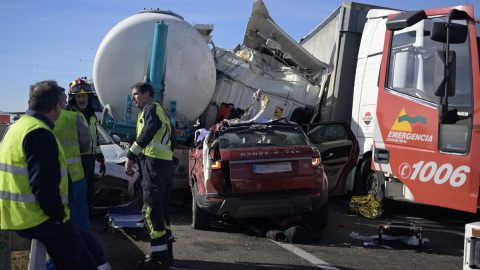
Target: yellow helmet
{"x":79,"y":86}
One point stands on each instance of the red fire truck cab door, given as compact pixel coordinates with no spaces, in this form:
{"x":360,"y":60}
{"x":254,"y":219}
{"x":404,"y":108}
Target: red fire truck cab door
{"x":436,"y":158}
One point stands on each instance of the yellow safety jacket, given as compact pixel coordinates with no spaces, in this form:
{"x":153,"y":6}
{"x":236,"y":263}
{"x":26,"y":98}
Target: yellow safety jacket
{"x":66,"y":132}
{"x":159,"y":147}
{"x":19,"y":208}
{"x":91,"y":124}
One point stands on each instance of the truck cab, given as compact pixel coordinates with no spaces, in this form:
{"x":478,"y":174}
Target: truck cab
{"x":426,"y":127}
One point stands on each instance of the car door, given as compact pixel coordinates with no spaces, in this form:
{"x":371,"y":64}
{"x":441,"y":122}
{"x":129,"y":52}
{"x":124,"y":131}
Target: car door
{"x":338,"y":148}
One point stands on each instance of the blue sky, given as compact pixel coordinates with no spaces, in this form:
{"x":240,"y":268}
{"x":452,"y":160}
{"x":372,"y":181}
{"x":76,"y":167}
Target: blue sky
{"x":58,"y":39}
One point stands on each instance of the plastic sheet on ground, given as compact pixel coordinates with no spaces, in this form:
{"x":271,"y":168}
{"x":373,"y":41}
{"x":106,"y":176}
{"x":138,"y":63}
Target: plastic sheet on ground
{"x":367,"y":206}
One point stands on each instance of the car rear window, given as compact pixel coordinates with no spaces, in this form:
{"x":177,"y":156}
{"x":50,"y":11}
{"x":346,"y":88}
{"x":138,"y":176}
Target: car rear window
{"x":261,"y":136}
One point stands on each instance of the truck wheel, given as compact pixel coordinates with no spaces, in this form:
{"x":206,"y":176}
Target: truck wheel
{"x":201,"y":219}
{"x":370,"y":182}
{"x":318,"y":218}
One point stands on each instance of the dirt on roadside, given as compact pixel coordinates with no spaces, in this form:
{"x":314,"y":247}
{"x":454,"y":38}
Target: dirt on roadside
{"x":20,"y":259}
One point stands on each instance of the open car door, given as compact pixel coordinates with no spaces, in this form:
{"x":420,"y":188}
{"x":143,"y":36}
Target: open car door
{"x":338,"y":148}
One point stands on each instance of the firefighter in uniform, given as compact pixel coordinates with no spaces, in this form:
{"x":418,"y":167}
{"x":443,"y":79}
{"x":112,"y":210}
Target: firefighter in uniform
{"x":74,"y":137}
{"x":35,"y":185}
{"x":154,"y":146}
{"x":80,"y":100}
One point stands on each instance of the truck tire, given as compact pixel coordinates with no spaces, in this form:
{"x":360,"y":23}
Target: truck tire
{"x":370,"y":182}
{"x":318,"y":218}
{"x":201,"y":219}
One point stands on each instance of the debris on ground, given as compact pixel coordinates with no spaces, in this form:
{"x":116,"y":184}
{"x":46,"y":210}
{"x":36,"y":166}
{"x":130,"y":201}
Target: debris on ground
{"x":409,"y":240}
{"x":367,"y":206}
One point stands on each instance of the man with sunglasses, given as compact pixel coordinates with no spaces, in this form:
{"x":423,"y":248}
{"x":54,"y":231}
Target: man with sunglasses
{"x":80,"y":100}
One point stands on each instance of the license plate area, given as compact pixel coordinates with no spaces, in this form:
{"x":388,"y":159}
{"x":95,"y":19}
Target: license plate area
{"x":280,"y":167}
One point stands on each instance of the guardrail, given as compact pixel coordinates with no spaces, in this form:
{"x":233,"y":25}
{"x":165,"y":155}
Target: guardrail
{"x":10,"y":241}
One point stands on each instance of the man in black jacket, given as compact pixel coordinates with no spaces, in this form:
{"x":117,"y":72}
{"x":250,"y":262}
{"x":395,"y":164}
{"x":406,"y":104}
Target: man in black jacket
{"x":36,"y":187}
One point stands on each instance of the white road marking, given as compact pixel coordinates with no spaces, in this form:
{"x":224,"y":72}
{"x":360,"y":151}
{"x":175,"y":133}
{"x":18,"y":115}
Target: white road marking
{"x":305,"y":255}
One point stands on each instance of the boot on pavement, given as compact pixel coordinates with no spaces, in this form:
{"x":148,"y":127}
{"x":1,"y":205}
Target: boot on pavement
{"x":151,"y":264}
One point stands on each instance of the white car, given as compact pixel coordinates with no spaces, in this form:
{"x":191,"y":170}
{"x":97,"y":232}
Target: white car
{"x":114,"y":188}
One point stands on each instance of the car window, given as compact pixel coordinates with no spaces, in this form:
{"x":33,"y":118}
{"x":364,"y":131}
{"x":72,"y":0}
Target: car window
{"x":328,"y":133}
{"x":103,"y":137}
{"x":261,"y":136}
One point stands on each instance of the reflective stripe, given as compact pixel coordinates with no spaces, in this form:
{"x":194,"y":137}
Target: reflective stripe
{"x":74,"y":160}
{"x":159,"y":248}
{"x":153,"y":234}
{"x":136,"y":149}
{"x":26,"y":198}
{"x":13,"y":169}
{"x":63,"y":172}
{"x":159,"y":145}
{"x":166,"y":136}
{"x":68,"y":142}
{"x":105,"y":266}
{"x":24,"y":170}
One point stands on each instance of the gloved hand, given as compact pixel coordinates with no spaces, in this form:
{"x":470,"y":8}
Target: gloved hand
{"x":103,"y":169}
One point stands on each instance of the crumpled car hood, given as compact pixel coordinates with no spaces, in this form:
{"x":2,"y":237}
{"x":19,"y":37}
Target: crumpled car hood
{"x":114,"y":153}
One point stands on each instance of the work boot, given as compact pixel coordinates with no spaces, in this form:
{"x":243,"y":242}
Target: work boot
{"x":171,"y":259}
{"x":151,"y":264}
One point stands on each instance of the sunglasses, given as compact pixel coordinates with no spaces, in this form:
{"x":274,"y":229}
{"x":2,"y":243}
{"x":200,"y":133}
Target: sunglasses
{"x":78,"y":87}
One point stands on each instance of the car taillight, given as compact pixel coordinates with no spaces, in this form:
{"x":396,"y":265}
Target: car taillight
{"x":216,"y":165}
{"x":315,"y":161}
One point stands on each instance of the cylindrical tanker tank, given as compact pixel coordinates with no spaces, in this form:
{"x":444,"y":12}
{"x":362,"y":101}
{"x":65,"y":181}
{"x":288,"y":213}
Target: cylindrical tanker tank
{"x":123,"y":59}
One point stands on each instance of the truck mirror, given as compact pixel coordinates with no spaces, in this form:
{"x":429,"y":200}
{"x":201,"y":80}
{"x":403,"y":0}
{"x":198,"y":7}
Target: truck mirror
{"x":440,"y":77}
{"x":406,"y":19}
{"x":458,"y":32}
{"x":456,"y":14}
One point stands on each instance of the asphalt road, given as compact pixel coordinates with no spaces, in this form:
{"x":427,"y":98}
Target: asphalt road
{"x":236,"y":246}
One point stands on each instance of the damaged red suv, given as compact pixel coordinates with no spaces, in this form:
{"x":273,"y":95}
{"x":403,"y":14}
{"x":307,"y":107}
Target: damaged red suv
{"x":245,"y":170}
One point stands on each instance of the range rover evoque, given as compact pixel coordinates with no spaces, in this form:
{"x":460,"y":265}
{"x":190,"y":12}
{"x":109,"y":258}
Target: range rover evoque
{"x":246,"y":170}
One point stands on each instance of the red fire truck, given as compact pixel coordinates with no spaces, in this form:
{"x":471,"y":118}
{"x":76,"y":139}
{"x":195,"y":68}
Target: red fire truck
{"x":427,"y":124}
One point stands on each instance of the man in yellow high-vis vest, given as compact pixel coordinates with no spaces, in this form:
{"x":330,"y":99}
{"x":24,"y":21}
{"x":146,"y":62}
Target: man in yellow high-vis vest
{"x":35,"y":185}
{"x":74,"y":137}
{"x":80,"y":100}
{"x":154,"y":146}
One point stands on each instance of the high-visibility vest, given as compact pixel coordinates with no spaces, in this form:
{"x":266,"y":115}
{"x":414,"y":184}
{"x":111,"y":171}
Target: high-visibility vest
{"x":18,"y":205}
{"x":92,"y":126}
{"x":66,"y":132}
{"x":159,"y":147}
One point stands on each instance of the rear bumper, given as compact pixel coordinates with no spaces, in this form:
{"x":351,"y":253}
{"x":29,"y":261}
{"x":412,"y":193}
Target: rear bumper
{"x":262,"y":204}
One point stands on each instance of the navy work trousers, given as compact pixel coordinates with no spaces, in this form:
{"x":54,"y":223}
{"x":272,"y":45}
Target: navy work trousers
{"x":69,"y":246}
{"x":157,"y":183}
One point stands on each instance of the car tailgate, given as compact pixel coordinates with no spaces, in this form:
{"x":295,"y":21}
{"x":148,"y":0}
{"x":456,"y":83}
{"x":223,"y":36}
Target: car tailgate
{"x":262,"y":175}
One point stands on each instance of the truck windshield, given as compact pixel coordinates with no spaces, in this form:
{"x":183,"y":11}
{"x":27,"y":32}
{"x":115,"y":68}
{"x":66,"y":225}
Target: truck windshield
{"x":261,"y":136}
{"x":411,"y":66}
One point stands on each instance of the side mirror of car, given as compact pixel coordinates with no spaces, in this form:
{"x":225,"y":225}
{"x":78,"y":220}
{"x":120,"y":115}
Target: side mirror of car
{"x":116,"y":139}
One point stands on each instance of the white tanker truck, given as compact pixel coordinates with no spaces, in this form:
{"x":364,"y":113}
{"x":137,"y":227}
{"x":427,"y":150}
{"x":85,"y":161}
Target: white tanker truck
{"x":185,"y":88}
